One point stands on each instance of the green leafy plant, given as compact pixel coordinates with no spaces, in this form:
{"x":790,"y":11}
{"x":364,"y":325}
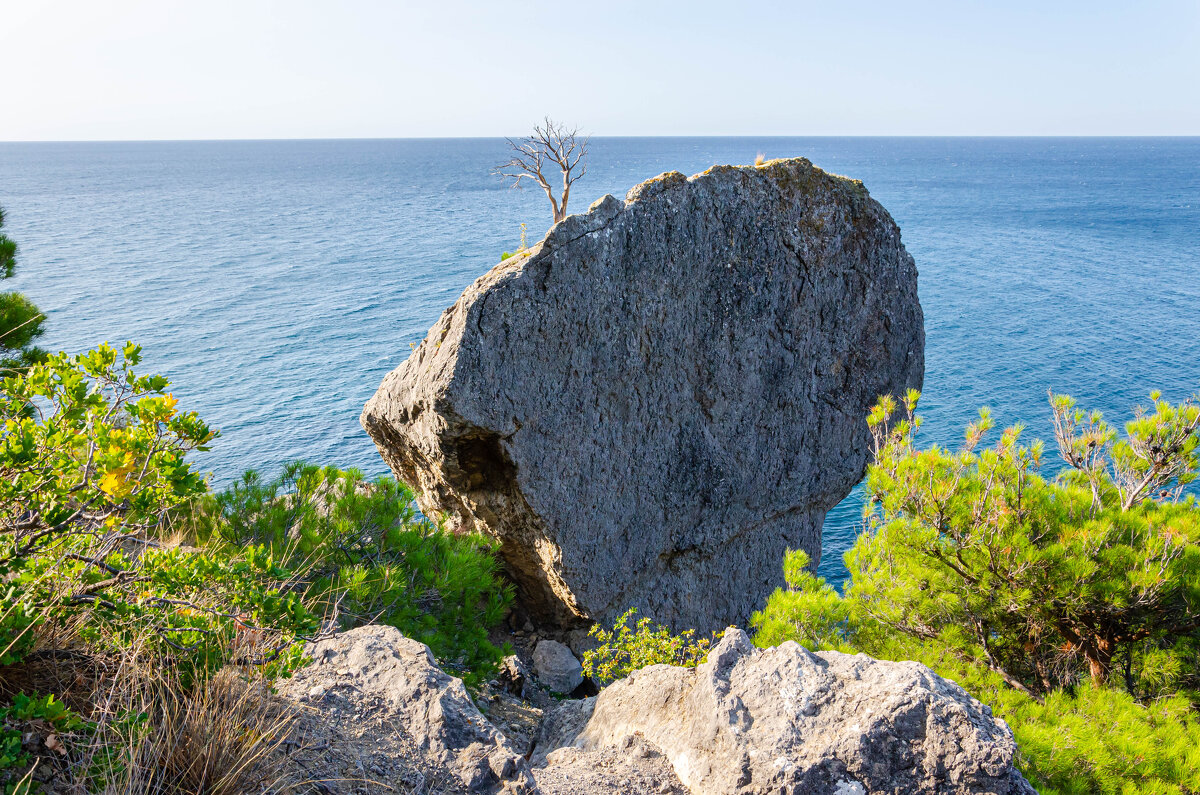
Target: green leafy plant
{"x":25,"y":712}
{"x":1085,"y":739}
{"x":521,"y":249}
{"x":975,"y":548}
{"x":630,"y":645}
{"x":93,"y":458}
{"x":808,"y":611}
{"x":365,"y":554}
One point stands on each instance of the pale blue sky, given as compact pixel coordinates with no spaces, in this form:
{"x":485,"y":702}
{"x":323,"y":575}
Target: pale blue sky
{"x":151,"y":69}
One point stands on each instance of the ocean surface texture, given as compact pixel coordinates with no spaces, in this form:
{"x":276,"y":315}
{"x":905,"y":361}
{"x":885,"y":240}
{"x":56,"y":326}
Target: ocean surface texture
{"x":275,"y":283}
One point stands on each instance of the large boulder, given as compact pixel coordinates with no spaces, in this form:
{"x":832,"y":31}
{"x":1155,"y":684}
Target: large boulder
{"x":649,"y":407}
{"x":784,"y":720}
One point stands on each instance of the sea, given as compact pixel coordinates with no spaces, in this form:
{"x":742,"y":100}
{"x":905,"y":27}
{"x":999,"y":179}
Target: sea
{"x":276,"y":282}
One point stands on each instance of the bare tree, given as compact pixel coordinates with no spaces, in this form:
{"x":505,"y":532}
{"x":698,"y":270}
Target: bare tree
{"x":551,"y":146}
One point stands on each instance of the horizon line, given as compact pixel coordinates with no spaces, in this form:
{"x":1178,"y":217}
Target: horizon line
{"x":594,"y":137}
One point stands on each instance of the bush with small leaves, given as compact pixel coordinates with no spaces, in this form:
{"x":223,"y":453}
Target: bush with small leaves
{"x":629,"y":646}
{"x":93,"y":461}
{"x":48,"y":715}
{"x":93,"y":458}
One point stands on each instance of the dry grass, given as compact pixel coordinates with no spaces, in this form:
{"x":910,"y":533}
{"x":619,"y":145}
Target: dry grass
{"x":217,"y":739}
{"x":153,"y":733}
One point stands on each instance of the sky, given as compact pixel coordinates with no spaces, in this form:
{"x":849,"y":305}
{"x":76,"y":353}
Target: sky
{"x":159,"y":69}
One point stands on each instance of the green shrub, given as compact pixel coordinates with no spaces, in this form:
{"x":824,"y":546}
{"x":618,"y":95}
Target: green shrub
{"x":1071,"y":606}
{"x":1050,"y":580}
{"x":1086,"y":739}
{"x":1098,"y":739}
{"x":92,"y":460}
{"x":628,"y":646}
{"x":808,"y":611}
{"x":365,"y":554}
{"x":18,"y":717}
{"x":97,"y":494}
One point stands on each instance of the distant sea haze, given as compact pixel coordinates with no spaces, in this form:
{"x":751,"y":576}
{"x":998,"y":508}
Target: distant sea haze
{"x":276,"y":282}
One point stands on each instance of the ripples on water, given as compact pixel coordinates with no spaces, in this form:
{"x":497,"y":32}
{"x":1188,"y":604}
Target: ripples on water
{"x":276,"y":283}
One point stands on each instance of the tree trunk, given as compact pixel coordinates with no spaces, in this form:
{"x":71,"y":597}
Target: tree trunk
{"x":1099,"y":654}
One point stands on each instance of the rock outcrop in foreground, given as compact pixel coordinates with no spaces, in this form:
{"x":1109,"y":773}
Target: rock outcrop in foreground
{"x":392,"y":717}
{"x":784,"y":720}
{"x":380,"y":717}
{"x":651,"y":405}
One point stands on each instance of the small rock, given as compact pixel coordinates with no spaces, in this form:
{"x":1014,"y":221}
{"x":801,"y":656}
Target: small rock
{"x":316,"y":693}
{"x":557,"y":668}
{"x":513,"y":675}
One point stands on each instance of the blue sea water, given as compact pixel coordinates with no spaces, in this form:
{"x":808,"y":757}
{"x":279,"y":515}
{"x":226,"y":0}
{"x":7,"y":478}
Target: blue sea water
{"x":276,"y":282}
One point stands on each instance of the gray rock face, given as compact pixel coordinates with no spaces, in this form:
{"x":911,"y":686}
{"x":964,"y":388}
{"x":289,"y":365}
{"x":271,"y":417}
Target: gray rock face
{"x":783,"y":720}
{"x":557,"y":668}
{"x":655,"y":402}
{"x":388,"y":692}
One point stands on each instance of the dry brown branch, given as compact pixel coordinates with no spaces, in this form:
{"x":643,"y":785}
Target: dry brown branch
{"x":551,"y":146}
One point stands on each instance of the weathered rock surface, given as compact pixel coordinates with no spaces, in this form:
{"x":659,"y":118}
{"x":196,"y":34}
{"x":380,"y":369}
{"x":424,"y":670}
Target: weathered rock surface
{"x":399,"y":721}
{"x":557,"y":668}
{"x":655,"y":402}
{"x":379,"y":717}
{"x":635,"y":768}
{"x":784,"y":720}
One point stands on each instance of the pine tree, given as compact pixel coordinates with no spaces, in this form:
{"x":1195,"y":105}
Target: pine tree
{"x":1047,"y":581}
{"x":20,"y":321}
{"x":1069,"y":604}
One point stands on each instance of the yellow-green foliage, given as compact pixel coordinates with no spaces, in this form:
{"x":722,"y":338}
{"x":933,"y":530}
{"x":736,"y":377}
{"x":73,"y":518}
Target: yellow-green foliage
{"x":1101,"y":740}
{"x":93,"y":460}
{"x":629,"y":646}
{"x":808,"y":611}
{"x":93,"y":457}
{"x":1084,"y":740}
{"x":97,"y":492}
